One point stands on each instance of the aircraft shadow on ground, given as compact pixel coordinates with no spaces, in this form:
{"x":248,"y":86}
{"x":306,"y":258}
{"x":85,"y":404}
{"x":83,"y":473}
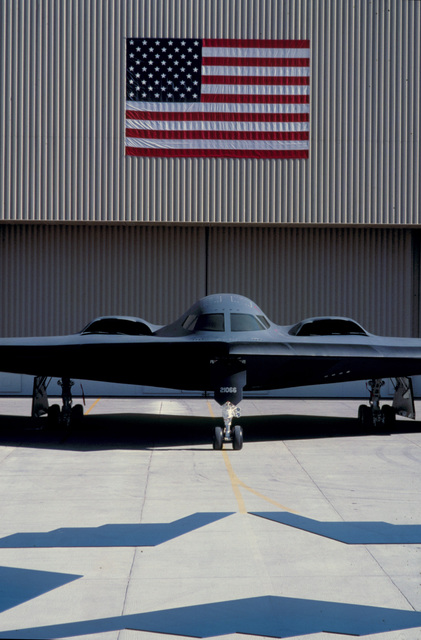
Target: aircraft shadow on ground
{"x":143,"y":431}
{"x":273,"y":616}
{"x":111,"y":535}
{"x":19,"y":585}
{"x":349,"y":532}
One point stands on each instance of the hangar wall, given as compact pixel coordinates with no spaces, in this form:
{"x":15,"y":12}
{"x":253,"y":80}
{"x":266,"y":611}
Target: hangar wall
{"x":62,"y":115}
{"x":58,"y":277}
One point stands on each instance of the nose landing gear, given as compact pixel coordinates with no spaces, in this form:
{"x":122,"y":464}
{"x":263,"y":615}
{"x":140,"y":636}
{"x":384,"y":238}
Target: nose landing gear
{"x":229,"y":380}
{"x":229,"y":434}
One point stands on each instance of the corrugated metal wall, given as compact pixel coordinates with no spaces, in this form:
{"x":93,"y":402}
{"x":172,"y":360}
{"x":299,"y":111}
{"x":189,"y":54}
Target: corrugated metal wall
{"x":62,"y":115}
{"x":55,"y":278}
{"x":295,"y":273}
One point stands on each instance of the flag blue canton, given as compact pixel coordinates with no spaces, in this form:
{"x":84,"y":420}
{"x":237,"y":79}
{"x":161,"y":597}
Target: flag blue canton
{"x":164,"y":69}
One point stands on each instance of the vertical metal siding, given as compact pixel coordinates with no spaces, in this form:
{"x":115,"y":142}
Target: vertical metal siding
{"x":294,"y":273}
{"x":58,"y":277}
{"x":62,"y":115}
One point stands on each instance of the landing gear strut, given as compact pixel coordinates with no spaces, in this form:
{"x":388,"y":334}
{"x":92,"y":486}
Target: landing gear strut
{"x":57,"y":416}
{"x":229,"y":380}
{"x":372,"y":415}
{"x":229,"y":434}
{"x":403,"y":404}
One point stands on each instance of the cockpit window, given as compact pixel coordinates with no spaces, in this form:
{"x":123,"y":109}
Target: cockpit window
{"x":264,"y":321}
{"x":209,"y":322}
{"x":246,"y":322}
{"x":189,"y":323}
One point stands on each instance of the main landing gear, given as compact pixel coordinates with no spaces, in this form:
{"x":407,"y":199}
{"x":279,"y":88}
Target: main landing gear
{"x":228,"y":433}
{"x":57,"y":416}
{"x":372,"y":415}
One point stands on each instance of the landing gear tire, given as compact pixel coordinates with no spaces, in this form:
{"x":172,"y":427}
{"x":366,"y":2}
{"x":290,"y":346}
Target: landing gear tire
{"x":77,"y":413}
{"x":237,"y":441}
{"x":389,"y":415}
{"x":365,"y":416}
{"x":54,"y":416}
{"x":218,"y":438}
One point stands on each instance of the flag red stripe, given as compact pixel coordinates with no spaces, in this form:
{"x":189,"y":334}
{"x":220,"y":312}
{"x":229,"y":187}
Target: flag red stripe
{"x":255,"y":62}
{"x":220,"y":153}
{"x":264,"y":44}
{"x":188,"y":116}
{"x":255,"y":99}
{"x":217,"y":135}
{"x":257,"y":80}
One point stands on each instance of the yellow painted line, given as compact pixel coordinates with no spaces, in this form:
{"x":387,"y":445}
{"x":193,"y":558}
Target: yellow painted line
{"x":92,"y":406}
{"x":210,"y":409}
{"x":232,"y":475}
{"x":236,"y":483}
{"x":260,"y":495}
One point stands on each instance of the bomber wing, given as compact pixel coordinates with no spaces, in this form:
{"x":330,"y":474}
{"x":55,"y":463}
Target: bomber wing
{"x":224,"y":343}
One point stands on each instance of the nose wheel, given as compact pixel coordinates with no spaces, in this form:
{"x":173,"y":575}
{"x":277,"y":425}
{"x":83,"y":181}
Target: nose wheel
{"x":237,"y":441}
{"x":218,"y":438}
{"x":227,"y":433}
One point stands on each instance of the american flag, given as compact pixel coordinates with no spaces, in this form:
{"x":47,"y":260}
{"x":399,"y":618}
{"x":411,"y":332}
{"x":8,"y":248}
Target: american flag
{"x":217,"y":98}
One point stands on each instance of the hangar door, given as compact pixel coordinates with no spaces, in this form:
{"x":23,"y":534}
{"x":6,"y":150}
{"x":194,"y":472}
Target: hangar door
{"x":56,"y":278}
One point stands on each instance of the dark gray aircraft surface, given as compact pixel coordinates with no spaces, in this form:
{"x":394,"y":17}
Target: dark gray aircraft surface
{"x":225,"y":344}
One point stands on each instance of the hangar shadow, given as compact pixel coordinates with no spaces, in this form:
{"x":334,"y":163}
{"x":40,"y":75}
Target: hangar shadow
{"x":144,"y":431}
{"x":273,"y":616}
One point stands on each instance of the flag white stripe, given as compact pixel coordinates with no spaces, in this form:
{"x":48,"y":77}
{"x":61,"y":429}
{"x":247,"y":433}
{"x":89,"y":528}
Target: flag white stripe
{"x":252,"y":52}
{"x":235,"y":145}
{"x":209,"y":107}
{"x":211,"y":70}
{"x":256,"y":90}
{"x":164,"y":125}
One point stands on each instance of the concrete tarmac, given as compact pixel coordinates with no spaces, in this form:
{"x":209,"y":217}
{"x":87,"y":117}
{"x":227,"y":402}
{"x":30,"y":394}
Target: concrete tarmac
{"x":130,"y":526}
